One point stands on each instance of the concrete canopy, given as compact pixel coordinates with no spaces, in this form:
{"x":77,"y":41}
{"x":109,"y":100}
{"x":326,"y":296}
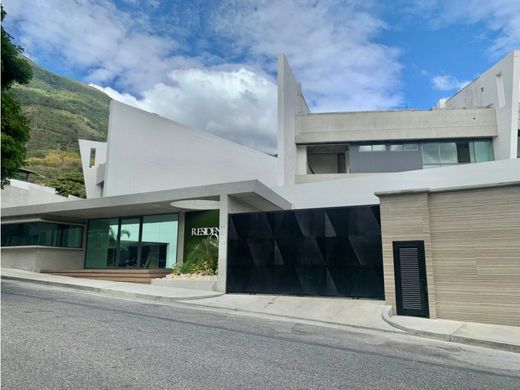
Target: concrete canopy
{"x":252,"y":193}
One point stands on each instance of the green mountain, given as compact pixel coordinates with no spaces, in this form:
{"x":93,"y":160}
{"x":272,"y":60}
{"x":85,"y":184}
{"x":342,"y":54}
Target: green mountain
{"x":61,"y":111}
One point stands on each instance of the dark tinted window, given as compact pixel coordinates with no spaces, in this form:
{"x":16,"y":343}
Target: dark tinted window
{"x":43,"y":234}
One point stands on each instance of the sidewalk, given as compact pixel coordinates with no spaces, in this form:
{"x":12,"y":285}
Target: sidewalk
{"x":120,"y":289}
{"x":485,"y":335}
{"x":357,"y":313}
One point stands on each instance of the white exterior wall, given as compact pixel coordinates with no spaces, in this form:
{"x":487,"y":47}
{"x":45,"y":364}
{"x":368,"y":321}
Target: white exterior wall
{"x":359,"y":190}
{"x":395,"y":125}
{"x":21,"y":193}
{"x":290,"y":103}
{"x":497,"y":87}
{"x":149,"y":153}
{"x":93,"y":176}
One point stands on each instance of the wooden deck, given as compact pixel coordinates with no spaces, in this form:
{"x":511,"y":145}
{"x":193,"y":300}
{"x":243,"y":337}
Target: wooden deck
{"x":116,"y":275}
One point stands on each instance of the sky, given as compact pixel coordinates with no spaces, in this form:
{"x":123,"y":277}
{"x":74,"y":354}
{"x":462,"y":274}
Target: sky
{"x":211,"y":64}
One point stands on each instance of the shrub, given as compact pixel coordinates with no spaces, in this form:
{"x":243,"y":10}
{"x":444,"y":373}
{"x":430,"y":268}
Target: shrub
{"x":203,"y":259}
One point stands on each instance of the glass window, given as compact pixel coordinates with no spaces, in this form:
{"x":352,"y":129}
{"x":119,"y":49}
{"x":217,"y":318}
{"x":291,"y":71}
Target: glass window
{"x":129,"y":242}
{"x":396,"y":147}
{"x":430,"y":154}
{"x":411,"y":147}
{"x":365,"y":148}
{"x":133,"y":242}
{"x":102,"y":243}
{"x":379,"y":148}
{"x":463,"y":152}
{"x":448,"y":152}
{"x":72,"y":236}
{"x":48,"y":234}
{"x":159,"y":241}
{"x":518,"y":145}
{"x":42,"y":234}
{"x":483,"y":151}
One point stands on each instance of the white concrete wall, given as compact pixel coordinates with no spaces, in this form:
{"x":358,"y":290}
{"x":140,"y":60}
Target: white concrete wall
{"x":35,"y":258}
{"x":359,"y":190}
{"x":497,"y":87}
{"x":93,"y":175}
{"x":290,"y":104}
{"x":395,"y":125}
{"x":149,"y":153}
{"x":21,"y":193}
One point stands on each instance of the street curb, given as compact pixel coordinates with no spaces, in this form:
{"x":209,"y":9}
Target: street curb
{"x":316,"y":322}
{"x":386,"y":314}
{"x":108,"y":291}
{"x":185,"y":301}
{"x":449,"y":337}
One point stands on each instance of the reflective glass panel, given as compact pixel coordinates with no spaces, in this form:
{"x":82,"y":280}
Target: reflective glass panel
{"x":71,"y":236}
{"x":42,"y":234}
{"x":483,"y":151}
{"x":411,"y":147}
{"x":159,"y":241}
{"x":430,"y":153}
{"x":518,"y":145}
{"x":365,"y":148}
{"x":396,"y":148}
{"x":378,"y":148}
{"x":463,"y":152}
{"x":48,"y":234}
{"x":448,"y":152}
{"x":102,"y":243}
{"x":129,"y":242}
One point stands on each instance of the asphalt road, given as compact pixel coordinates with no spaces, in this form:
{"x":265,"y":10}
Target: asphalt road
{"x":56,"y":338}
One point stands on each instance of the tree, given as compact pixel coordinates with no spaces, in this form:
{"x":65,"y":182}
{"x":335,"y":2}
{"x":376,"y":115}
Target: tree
{"x":15,"y":127}
{"x":69,"y":183}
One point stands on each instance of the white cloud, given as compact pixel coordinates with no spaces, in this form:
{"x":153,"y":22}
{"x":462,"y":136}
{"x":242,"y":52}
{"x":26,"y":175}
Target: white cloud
{"x":502,"y":17}
{"x":330,"y":45}
{"x":239,"y":105}
{"x":94,"y":37}
{"x":444,"y":82}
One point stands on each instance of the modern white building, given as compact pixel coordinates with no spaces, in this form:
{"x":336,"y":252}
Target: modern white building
{"x":392,"y":205}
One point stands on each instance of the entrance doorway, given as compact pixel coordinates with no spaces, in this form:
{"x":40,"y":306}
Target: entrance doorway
{"x":411,"y":288}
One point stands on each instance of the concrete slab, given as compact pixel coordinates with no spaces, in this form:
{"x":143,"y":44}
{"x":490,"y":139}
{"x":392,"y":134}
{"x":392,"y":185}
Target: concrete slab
{"x":360,"y":313}
{"x":202,"y":284}
{"x":122,"y":289}
{"x":486,"y":335}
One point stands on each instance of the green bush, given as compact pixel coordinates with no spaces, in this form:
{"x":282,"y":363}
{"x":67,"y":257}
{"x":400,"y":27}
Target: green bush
{"x":203,"y":259}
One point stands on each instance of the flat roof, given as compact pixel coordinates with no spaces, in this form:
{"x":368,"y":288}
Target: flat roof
{"x":251,"y":192}
{"x":448,"y":189}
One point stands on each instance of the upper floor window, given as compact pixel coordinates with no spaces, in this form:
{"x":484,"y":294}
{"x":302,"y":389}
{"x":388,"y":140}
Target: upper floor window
{"x":327,"y":159}
{"x":394,"y":147}
{"x":437,"y":154}
{"x":372,"y":148}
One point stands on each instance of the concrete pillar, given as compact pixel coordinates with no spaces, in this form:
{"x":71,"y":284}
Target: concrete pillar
{"x":180,"y":238}
{"x":222,"y":243}
{"x":301,"y":160}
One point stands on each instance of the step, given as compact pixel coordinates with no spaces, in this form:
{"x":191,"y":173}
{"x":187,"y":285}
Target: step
{"x":116,"y":274}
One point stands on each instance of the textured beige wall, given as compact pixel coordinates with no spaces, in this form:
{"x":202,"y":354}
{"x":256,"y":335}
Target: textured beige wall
{"x":405,"y":218}
{"x":472,"y":242}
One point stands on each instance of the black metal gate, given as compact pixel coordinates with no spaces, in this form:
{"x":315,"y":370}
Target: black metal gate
{"x":327,"y":252}
{"x":410,"y":278}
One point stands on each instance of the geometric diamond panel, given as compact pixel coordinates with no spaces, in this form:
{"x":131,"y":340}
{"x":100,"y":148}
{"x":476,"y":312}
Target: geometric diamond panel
{"x":321,"y":252}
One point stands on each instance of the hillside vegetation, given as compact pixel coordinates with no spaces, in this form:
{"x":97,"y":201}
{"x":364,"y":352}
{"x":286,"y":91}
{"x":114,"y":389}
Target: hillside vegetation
{"x":60,"y":111}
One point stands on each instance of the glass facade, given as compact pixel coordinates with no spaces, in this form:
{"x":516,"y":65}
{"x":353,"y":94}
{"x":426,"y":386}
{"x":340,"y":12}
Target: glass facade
{"x":132,"y":242}
{"x":42,"y":234}
{"x":438,"y":154}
